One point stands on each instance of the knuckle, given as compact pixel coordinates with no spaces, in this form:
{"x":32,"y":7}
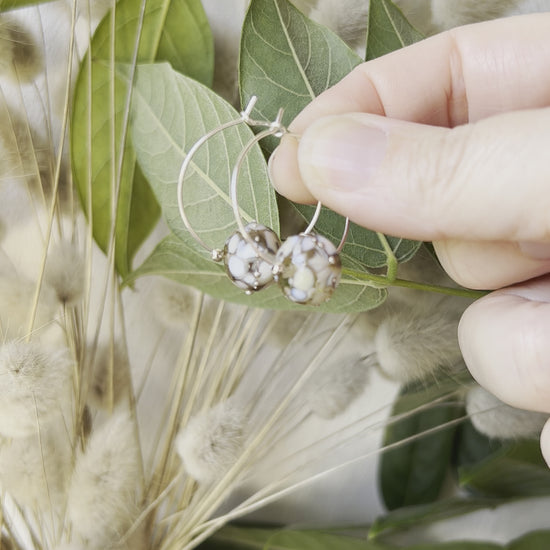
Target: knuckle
{"x":439,"y":174}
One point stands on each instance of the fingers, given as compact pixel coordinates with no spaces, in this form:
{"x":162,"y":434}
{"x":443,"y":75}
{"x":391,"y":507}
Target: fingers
{"x":489,"y":264}
{"x":486,"y":181}
{"x":545,"y":442}
{"x":455,"y":77}
{"x":505,"y":343}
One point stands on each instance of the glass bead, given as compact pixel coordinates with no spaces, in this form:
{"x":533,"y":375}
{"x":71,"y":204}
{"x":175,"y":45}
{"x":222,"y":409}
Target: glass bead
{"x":308,"y":268}
{"x":245,"y":267}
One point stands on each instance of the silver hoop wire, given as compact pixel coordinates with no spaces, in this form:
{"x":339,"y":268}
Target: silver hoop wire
{"x":244,"y":118}
{"x":277,"y":129}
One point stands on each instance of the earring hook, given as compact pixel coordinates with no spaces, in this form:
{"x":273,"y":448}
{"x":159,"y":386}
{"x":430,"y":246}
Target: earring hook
{"x":215,"y":253}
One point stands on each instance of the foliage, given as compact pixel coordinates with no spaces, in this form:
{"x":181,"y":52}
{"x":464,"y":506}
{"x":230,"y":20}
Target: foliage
{"x":415,"y":472}
{"x":244,"y":538}
{"x":388,"y":29}
{"x":142,"y":99}
{"x":283,"y":61}
{"x":287,"y":60}
{"x":6,"y":5}
{"x":114,"y":192}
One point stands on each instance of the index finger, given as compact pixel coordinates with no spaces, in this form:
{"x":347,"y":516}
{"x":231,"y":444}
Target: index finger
{"x":459,"y":76}
{"x":455,"y":77}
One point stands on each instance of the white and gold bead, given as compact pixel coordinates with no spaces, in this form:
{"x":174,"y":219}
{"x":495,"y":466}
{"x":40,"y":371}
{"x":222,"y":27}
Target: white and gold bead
{"x":245,"y":267}
{"x":307,"y":268}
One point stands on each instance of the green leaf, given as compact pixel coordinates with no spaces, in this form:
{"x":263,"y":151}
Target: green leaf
{"x":458,"y":545}
{"x":519,"y":471}
{"x":170,"y":113}
{"x":6,"y":5}
{"x":537,"y":540}
{"x":388,"y":29}
{"x":414,"y":473}
{"x":411,"y":517}
{"x":180,"y":261}
{"x":472,"y":447}
{"x":287,"y":59}
{"x":243,"y":538}
{"x":103,"y":160}
{"x":363,"y":247}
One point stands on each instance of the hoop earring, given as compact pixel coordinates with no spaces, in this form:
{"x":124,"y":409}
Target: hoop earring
{"x":307,"y":266}
{"x":246,"y":268}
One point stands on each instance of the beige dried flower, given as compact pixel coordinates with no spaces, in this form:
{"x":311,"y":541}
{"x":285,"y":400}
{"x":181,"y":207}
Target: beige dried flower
{"x":413,"y":345}
{"x":104,"y":492}
{"x":337,"y":385}
{"x":35,"y":470}
{"x":174,"y":305}
{"x":17,"y":298}
{"x":349,"y":22}
{"x":111,"y":373}
{"x":212,"y":441}
{"x":447,"y":15}
{"x":173,"y":302}
{"x":492,"y":417}
{"x":66,"y":272}
{"x":287,"y":326}
{"x":20,"y":56}
{"x":34,"y":386}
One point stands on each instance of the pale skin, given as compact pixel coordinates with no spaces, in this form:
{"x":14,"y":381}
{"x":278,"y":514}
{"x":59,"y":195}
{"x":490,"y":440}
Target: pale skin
{"x":448,"y":141}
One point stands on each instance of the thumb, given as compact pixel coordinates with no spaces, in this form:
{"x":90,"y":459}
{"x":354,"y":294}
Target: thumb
{"x":487,"y":180}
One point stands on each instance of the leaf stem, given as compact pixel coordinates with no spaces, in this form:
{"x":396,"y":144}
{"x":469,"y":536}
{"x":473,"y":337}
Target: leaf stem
{"x":381,"y":281}
{"x":391,"y":260}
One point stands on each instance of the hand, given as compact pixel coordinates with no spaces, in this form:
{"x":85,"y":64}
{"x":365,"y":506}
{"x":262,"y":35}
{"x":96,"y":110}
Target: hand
{"x":448,"y":140}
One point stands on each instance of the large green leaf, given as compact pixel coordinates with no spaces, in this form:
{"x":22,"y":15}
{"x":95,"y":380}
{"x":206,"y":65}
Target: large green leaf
{"x":103,"y":160}
{"x":414,"y":472}
{"x":12,"y":4}
{"x":458,"y":545}
{"x":388,"y":29}
{"x":518,"y":471}
{"x":538,"y":540}
{"x":243,"y":538}
{"x":287,"y":59}
{"x":170,"y":113}
{"x":179,"y":260}
{"x":412,"y":517}
{"x":250,"y":538}
{"x":472,"y":447}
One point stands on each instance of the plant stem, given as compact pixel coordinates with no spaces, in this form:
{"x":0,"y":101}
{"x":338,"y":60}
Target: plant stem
{"x":391,"y":260}
{"x":381,"y":281}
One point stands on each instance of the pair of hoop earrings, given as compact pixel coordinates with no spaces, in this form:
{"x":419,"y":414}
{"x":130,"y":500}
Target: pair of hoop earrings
{"x":306,"y":266}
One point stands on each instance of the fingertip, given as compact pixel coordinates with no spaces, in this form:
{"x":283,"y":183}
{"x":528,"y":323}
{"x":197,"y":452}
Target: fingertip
{"x":490,"y":264}
{"x":503,"y":338}
{"x":284,"y":171}
{"x":545,"y":442}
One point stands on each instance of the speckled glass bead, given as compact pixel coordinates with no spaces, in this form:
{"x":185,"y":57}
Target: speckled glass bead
{"x":308,"y":268}
{"x":243,"y":265}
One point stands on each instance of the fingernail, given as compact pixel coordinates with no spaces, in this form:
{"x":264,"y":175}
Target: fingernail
{"x":341,"y":152}
{"x":270,"y":162}
{"x":284,"y":172}
{"x":534,"y":250}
